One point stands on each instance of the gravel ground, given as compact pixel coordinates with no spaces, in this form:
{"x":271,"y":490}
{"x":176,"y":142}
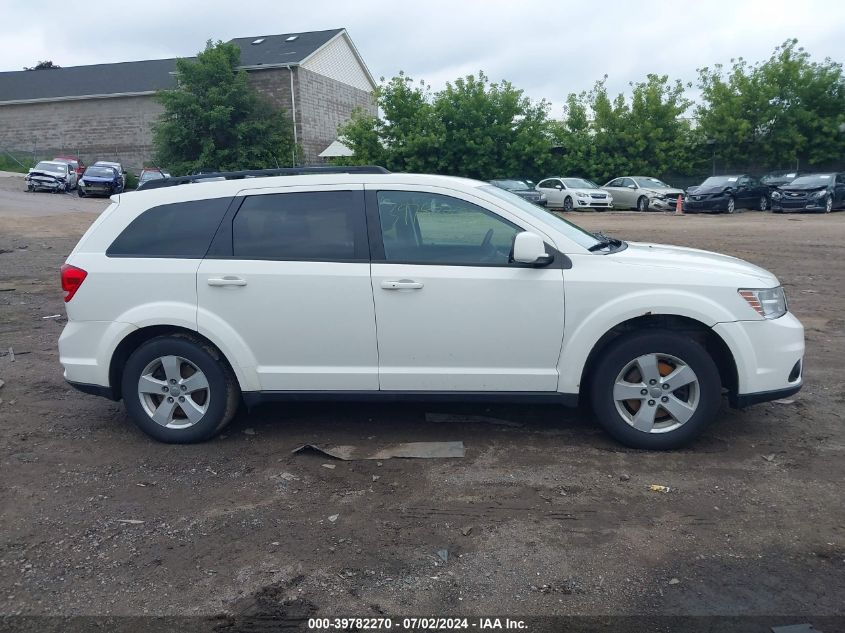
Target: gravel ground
{"x":544,"y":516}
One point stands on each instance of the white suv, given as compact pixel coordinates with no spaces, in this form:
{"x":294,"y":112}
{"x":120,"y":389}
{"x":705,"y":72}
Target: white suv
{"x":185,"y":300}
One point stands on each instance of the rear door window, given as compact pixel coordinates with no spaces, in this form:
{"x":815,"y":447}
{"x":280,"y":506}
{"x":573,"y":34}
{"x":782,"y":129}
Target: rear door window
{"x":301,"y":226}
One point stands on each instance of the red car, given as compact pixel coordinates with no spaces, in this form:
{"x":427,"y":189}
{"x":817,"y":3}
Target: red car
{"x":78,"y":165}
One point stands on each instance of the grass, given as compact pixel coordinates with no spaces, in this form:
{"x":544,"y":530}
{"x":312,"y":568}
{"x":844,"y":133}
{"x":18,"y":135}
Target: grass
{"x":7,"y":163}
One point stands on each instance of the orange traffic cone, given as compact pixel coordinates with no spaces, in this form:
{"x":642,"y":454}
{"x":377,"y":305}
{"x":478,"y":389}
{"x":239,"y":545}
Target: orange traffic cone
{"x":679,"y":206}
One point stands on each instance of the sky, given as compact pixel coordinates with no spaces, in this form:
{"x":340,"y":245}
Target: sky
{"x":549,"y":49}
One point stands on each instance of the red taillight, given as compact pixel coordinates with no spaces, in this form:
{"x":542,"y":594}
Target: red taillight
{"x":72,"y":278}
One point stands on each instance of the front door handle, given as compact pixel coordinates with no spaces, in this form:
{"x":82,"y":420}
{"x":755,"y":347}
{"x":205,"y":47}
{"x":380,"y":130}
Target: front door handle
{"x":402,"y":284}
{"x":228,"y":280}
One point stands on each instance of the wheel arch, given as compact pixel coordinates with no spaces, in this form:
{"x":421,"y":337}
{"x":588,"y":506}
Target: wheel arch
{"x":714,"y":344}
{"x":138,"y":337}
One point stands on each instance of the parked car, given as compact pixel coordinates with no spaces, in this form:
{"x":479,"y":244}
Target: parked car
{"x":117,"y":167}
{"x":813,"y":192}
{"x":186,"y":300}
{"x":642,"y":193}
{"x":151,"y":173}
{"x":727,"y":193}
{"x":100,"y":180}
{"x":522,"y":189}
{"x":51,"y":175}
{"x":574,"y":193}
{"x":78,"y":165}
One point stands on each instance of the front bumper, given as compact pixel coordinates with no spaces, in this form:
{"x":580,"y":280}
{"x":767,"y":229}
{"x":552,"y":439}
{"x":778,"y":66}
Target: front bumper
{"x":592,"y":203}
{"x":98,"y":189}
{"x":45,"y":184}
{"x":812,"y":204}
{"x":711,"y":204}
{"x":769,"y":357}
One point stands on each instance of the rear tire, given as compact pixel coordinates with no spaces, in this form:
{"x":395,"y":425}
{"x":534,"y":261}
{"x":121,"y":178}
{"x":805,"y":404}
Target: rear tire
{"x":625,"y":369}
{"x":163,"y":400}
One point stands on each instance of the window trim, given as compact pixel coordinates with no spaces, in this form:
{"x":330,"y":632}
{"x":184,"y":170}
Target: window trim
{"x":377,"y":252}
{"x":223,"y":244}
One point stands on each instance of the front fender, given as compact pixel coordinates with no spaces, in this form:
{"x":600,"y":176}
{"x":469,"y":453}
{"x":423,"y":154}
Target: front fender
{"x":595,"y":322}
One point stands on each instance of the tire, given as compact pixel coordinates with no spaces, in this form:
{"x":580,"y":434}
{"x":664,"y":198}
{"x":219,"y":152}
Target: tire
{"x":828,"y":204}
{"x":617,"y":374}
{"x":764,"y":203}
{"x":567,"y":204}
{"x":642,"y":203}
{"x":79,"y":192}
{"x":179,"y":357}
{"x":731,"y":205}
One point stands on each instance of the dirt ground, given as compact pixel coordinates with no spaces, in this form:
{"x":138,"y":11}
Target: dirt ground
{"x":544,"y":516}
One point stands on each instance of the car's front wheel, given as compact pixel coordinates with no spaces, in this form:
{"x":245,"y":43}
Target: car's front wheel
{"x":567,"y":204}
{"x":828,"y":204}
{"x":178,"y":389}
{"x":642,"y":203}
{"x":764,"y":203}
{"x":655,"y":390}
{"x":731,"y":205}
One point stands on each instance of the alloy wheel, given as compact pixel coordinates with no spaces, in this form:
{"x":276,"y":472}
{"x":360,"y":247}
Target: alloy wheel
{"x":174,"y":392}
{"x":764,"y":203}
{"x":828,"y":204}
{"x":731,"y":205}
{"x":567,"y":204}
{"x":656,"y":393}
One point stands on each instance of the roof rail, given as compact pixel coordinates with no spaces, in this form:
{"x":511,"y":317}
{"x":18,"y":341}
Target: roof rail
{"x":262,"y":173}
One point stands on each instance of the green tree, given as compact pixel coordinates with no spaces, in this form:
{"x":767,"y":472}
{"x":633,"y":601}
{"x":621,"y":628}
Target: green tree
{"x":45,"y":65}
{"x":782,"y":112}
{"x":215,"y":119}
{"x":471,"y":128}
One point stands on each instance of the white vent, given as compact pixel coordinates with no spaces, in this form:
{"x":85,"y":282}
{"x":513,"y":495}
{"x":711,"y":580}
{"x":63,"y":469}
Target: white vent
{"x":292,"y":38}
{"x":258,"y":41}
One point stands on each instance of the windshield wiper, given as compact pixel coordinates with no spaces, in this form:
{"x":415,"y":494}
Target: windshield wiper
{"x":604,"y":242}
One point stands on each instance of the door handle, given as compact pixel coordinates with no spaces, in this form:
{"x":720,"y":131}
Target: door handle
{"x":402,"y":284}
{"x":228,"y":280}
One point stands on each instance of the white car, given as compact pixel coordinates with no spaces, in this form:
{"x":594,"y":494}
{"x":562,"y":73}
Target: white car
{"x":185,"y":300}
{"x":51,"y":175}
{"x":574,"y":193}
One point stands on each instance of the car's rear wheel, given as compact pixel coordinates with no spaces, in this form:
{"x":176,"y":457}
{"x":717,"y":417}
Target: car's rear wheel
{"x":731,"y":205}
{"x":642,"y":203}
{"x":178,"y":389}
{"x":655,"y":390}
{"x":567,"y":204}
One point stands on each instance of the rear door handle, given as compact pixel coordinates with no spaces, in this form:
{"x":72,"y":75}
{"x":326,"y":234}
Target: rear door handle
{"x":228,"y":280}
{"x":402,"y":284}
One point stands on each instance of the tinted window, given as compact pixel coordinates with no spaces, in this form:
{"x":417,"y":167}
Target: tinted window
{"x":182,"y":230}
{"x":549,"y":184}
{"x":319,"y":225}
{"x":614,"y":183}
{"x":430,"y":228}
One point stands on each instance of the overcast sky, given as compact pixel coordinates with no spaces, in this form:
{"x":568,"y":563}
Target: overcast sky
{"x":547,"y":48}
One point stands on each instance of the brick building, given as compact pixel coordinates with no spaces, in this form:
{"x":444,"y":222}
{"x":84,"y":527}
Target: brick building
{"x":106,"y":111}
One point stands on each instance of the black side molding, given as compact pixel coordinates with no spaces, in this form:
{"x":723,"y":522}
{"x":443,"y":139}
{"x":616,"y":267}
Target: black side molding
{"x":254,"y":398}
{"x":742,"y":400}
{"x":94,"y":390}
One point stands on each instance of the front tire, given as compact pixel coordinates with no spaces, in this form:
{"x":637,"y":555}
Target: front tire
{"x":79,"y":192}
{"x":655,"y":390}
{"x":731,"y":205}
{"x":642,"y":204}
{"x":179,"y":389}
{"x":764,"y":203}
{"x":828,"y":204}
{"x":567,"y":204}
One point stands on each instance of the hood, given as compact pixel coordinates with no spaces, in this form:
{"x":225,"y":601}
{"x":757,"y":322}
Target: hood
{"x":681,"y":258}
{"x":43,"y":174}
{"x":589,"y":191}
{"x":86,"y":179}
{"x":803,"y":188}
{"x":666,"y":192}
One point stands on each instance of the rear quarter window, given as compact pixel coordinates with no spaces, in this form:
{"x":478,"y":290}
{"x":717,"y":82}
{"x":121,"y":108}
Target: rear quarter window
{"x":181,"y":230}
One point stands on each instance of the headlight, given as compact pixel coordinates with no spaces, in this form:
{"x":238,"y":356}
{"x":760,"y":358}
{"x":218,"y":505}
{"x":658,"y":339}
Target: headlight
{"x":542,"y":196}
{"x":776,"y":195}
{"x":659,"y":196}
{"x":769,"y":303}
{"x":820,"y":194}
{"x":581,"y":195}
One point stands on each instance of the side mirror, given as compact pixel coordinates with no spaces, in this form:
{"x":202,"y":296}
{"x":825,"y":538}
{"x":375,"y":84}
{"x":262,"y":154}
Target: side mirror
{"x":632,"y":186}
{"x":529,"y":248}
{"x":559,"y":187}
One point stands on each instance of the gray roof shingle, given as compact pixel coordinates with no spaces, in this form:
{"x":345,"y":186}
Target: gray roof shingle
{"x":148,"y":75}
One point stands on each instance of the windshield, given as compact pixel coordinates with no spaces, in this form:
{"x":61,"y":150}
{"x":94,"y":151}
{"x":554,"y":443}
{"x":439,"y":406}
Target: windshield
{"x":99,"y":172}
{"x":572,"y":231}
{"x":720,"y":181}
{"x":511,"y":185}
{"x":151,"y":175}
{"x":816,"y":180}
{"x":778,"y":178}
{"x":651,"y":183}
{"x":52,"y":167}
{"x":579,"y":183}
